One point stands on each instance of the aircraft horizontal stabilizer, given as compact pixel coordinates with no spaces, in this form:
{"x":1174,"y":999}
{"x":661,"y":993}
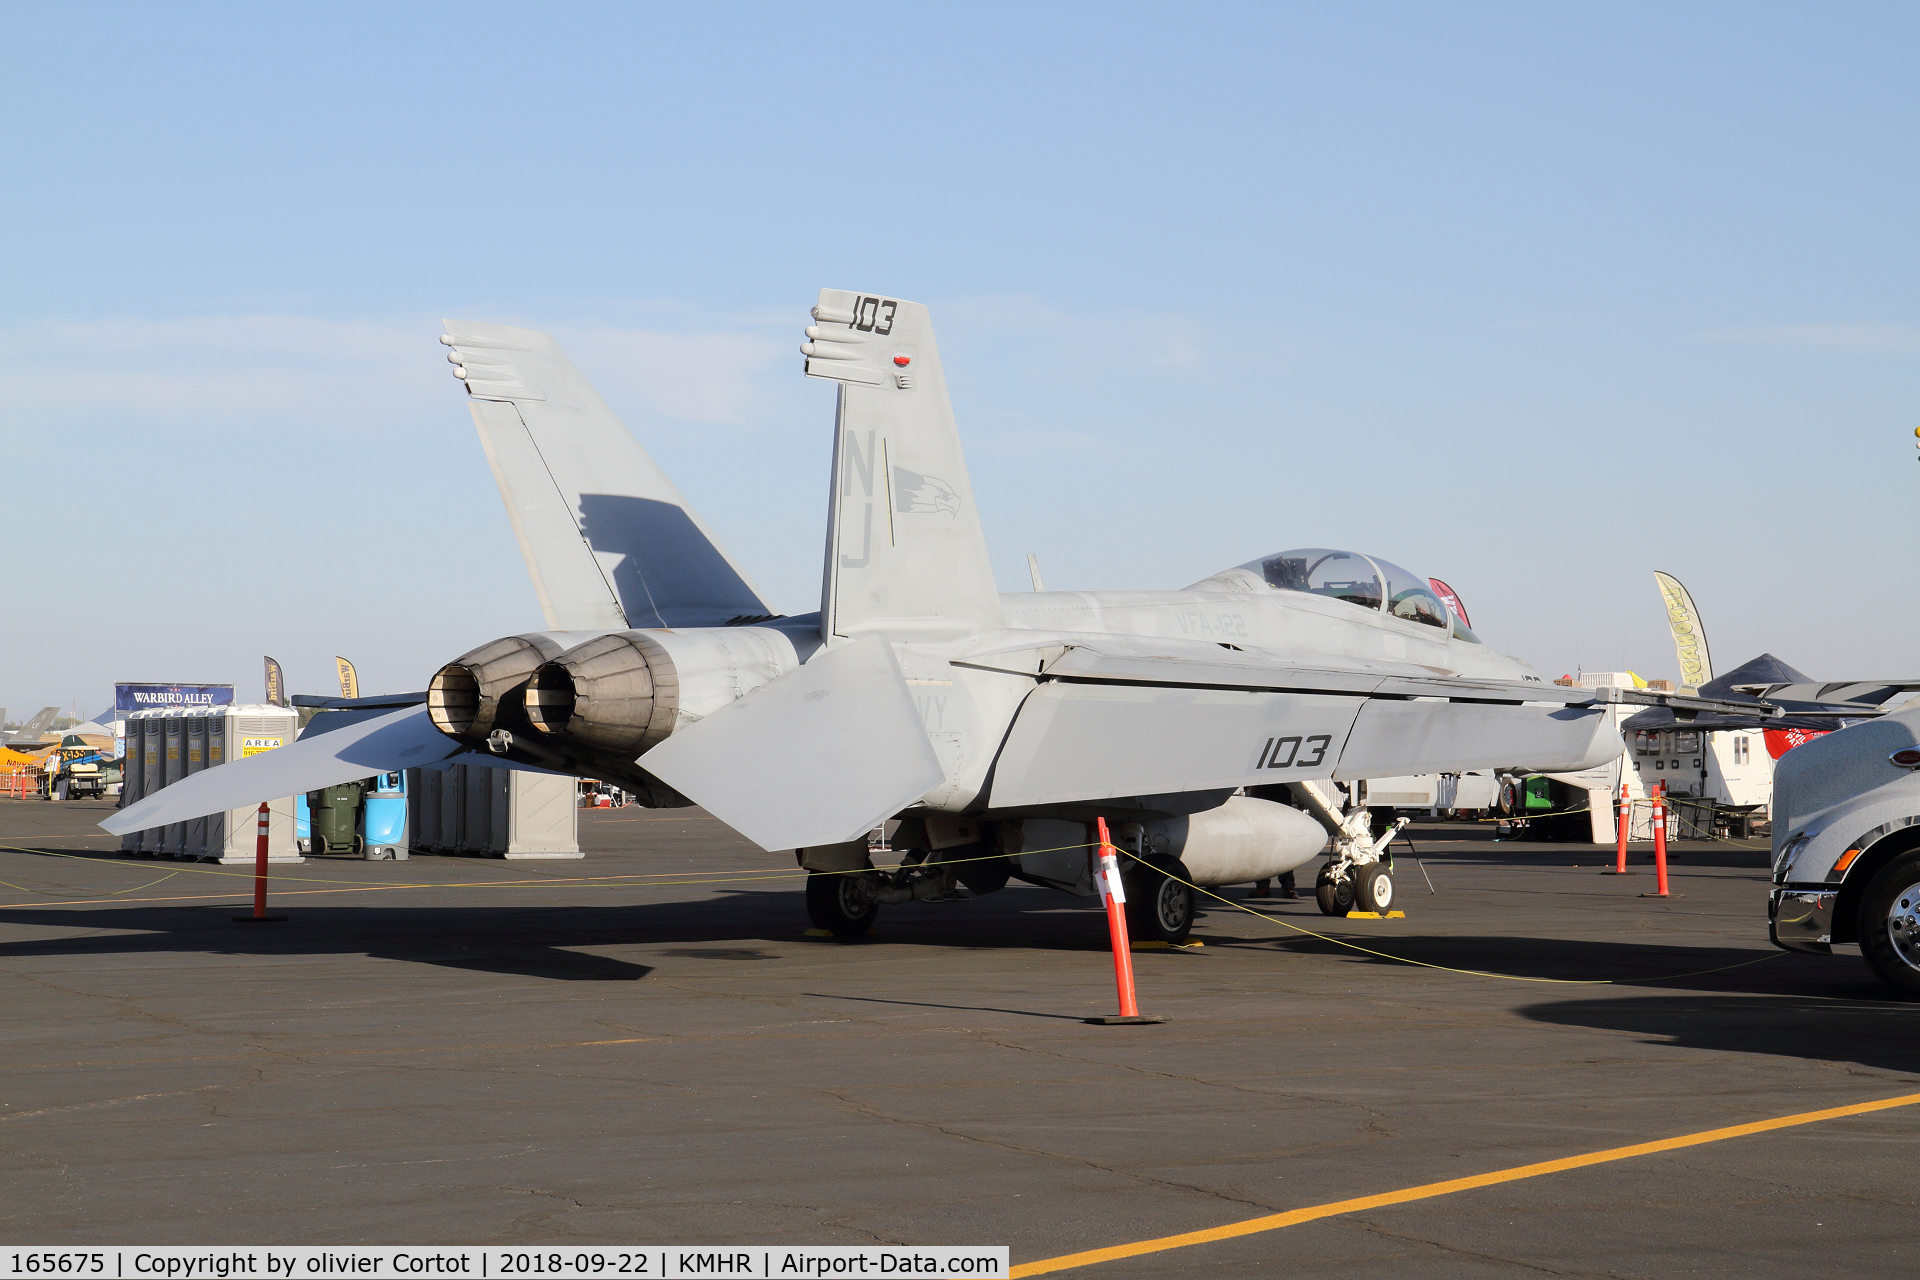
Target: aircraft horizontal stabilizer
{"x":400,"y":739}
{"x":820,"y":756}
{"x":1685,"y":705}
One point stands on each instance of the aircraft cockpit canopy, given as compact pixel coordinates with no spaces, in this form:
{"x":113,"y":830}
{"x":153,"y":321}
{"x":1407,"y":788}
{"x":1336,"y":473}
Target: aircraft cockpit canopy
{"x":1343,"y":575}
{"x":1366,"y":581}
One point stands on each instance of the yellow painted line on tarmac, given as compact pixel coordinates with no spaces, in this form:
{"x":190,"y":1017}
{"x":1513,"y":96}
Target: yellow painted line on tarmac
{"x":1427,"y":1191}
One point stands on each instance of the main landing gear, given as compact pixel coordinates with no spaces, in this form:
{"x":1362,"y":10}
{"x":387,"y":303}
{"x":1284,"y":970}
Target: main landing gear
{"x":1159,"y":900}
{"x":839,"y":903}
{"x":846,"y":903}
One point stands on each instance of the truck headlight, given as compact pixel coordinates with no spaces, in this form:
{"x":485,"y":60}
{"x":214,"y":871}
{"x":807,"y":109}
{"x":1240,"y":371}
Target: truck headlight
{"x":1783,"y":865}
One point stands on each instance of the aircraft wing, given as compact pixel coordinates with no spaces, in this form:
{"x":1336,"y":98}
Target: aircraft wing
{"x":402,"y":738}
{"x":1104,"y":725}
{"x":608,"y":539}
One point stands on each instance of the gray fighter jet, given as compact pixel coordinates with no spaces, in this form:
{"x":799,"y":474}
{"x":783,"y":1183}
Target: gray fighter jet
{"x":30,"y":733}
{"x":1212,"y":727}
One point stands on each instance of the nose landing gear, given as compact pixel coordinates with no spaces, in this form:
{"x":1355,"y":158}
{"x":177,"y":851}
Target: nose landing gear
{"x":1356,"y":878}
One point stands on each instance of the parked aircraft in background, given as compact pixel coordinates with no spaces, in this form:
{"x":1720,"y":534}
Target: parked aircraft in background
{"x":29,"y":734}
{"x":1212,"y":727}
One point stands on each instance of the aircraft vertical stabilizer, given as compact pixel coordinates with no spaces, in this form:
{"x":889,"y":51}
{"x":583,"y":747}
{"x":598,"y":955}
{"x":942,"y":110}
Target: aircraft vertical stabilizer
{"x":29,"y":733}
{"x":905,"y":551}
{"x":609,"y":541}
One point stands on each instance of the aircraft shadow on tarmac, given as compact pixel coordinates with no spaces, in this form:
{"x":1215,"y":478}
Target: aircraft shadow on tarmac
{"x":1870,"y":1032}
{"x":541,"y":941}
{"x":533,"y":942}
{"x":538,"y":941}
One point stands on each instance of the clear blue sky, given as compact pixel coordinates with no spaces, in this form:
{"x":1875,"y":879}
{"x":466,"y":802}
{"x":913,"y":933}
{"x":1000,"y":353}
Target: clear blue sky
{"x":1536,"y":298}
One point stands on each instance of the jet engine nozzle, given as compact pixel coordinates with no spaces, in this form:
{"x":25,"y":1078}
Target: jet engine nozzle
{"x":481,"y":691}
{"x":618,"y":694}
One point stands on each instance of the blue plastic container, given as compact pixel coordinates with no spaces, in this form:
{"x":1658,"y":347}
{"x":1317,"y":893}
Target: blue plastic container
{"x":383,"y":820}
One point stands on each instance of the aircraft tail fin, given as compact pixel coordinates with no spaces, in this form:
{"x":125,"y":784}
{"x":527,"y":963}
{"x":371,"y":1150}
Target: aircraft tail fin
{"x":29,"y":733}
{"x":608,"y":539}
{"x":905,"y":550}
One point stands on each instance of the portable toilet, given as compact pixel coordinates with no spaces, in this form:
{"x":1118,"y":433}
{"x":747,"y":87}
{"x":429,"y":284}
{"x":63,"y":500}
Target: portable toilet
{"x":452,"y":828}
{"x":383,"y":818}
{"x":219,"y":751}
{"x":234,"y":733}
{"x":484,"y":811}
{"x":423,"y":807}
{"x":131,"y":775}
{"x":173,"y":837}
{"x":153,"y":763}
{"x":196,"y":740}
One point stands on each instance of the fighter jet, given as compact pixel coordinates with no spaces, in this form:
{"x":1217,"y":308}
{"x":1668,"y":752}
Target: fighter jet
{"x":1212,"y":727}
{"x":29,"y":734}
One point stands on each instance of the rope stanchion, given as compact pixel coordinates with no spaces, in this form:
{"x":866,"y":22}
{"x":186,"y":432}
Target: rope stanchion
{"x":260,"y":915}
{"x":1659,"y":842}
{"x":1106,"y":877}
{"x":1622,"y":827}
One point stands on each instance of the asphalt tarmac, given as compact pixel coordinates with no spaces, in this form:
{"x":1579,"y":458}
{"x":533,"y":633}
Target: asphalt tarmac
{"x":641,"y":1047}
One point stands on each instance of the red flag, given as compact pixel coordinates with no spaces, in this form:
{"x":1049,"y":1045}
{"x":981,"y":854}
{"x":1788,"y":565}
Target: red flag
{"x":1446,"y":593}
{"x":1781,"y":741}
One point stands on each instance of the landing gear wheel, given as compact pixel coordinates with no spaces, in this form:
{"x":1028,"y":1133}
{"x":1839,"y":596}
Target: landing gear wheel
{"x":1334,"y":896}
{"x":840,"y":904}
{"x":1373,"y":889}
{"x":1889,"y":928}
{"x":1159,"y":901}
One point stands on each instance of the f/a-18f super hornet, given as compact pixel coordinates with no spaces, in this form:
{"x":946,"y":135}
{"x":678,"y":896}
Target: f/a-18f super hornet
{"x":1211,"y":727}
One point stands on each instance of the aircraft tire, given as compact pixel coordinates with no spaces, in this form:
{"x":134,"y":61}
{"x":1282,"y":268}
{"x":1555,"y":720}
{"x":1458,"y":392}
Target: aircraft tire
{"x":1889,"y":925}
{"x":1373,"y":889}
{"x":1335,"y":897}
{"x":1159,"y":901}
{"x":840,"y":904}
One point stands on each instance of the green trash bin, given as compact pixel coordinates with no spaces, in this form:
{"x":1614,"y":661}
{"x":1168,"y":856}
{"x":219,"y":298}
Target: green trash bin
{"x":334,"y":818}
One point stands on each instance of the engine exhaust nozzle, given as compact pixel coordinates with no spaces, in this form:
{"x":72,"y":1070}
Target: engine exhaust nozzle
{"x":482,"y":691}
{"x":618,"y":694}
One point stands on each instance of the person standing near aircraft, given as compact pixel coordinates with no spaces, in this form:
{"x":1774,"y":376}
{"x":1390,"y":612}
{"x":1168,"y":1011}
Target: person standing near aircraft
{"x":1264,"y":888}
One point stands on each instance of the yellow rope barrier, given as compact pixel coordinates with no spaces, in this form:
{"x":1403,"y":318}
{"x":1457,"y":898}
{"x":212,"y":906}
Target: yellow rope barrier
{"x":1424,"y":964}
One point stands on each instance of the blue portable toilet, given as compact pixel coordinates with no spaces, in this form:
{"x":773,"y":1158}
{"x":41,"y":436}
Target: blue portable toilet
{"x":383,"y":818}
{"x":302,"y":825}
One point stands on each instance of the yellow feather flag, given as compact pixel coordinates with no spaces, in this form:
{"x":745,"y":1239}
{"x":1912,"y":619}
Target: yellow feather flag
{"x":1689,"y":635}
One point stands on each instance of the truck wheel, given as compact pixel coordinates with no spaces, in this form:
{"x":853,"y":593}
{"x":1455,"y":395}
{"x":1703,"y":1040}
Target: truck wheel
{"x":1159,"y":901}
{"x":1335,"y":897}
{"x":840,"y":904}
{"x":1889,"y":927}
